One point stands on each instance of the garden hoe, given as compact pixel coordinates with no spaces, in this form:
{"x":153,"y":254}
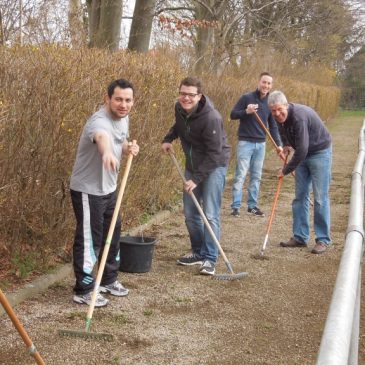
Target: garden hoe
{"x":261,"y":256}
{"x":231,"y":275}
{"x":86,"y":333}
{"x":31,"y":348}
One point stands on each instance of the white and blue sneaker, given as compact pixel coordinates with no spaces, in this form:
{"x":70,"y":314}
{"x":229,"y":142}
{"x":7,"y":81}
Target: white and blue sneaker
{"x":115,"y":288}
{"x":86,"y":299}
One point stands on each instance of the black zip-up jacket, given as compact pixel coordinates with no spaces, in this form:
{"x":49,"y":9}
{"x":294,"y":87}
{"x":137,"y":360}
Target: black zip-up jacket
{"x":203,"y":138}
{"x":249,"y":128}
{"x":303,"y":130}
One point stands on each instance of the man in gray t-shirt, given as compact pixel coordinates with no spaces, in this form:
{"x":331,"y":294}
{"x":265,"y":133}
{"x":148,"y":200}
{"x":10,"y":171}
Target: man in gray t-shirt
{"x":87,"y":174}
{"x":93,"y":192}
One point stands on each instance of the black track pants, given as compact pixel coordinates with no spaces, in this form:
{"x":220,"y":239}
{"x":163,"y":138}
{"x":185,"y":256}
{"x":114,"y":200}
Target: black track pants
{"x":93,"y":216}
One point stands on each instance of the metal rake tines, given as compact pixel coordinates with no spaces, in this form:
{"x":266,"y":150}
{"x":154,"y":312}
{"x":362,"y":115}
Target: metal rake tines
{"x":230,"y":277}
{"x":84,"y":334}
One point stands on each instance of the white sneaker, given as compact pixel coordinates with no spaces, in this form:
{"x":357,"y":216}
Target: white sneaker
{"x":208,"y":268}
{"x":86,"y":299}
{"x":115,"y":288}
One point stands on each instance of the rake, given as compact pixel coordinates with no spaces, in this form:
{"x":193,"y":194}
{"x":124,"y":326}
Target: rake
{"x":261,"y":256}
{"x":19,"y":327}
{"x":231,"y":275}
{"x":86,"y":333}
{"x":263,"y":126}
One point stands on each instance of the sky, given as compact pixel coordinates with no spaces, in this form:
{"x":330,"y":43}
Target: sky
{"x":128,"y":8}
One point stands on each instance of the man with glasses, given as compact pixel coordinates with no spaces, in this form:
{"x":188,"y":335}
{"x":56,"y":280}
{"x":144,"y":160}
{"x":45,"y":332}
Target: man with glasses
{"x":251,"y":144}
{"x":204,"y":141}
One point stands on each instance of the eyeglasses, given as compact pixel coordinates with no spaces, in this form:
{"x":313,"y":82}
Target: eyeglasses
{"x":189,"y":95}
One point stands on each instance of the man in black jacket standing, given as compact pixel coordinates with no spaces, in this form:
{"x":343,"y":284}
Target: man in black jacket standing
{"x":251,"y":144}
{"x":204,"y":141}
{"x":302,"y":129}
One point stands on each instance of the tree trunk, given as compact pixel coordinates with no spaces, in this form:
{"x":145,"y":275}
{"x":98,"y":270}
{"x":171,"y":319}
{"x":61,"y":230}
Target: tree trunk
{"x":21,"y":22}
{"x":204,"y":38}
{"x":76,"y":24}
{"x":105,"y":18}
{"x":140,"y":34}
{"x":2,"y":38}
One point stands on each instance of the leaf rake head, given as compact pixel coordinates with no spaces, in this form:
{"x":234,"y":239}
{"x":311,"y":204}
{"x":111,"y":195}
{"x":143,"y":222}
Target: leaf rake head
{"x":86,"y":335}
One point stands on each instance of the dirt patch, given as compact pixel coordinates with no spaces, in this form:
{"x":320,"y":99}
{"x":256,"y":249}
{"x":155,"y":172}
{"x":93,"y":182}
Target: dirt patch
{"x":173,"y":315}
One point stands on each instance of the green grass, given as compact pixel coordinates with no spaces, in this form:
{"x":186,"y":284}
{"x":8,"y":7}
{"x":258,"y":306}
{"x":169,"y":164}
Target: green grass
{"x":4,"y":285}
{"x":352,"y":113}
{"x":120,"y":318}
{"x":76,"y":315}
{"x":24,"y":265}
{"x":60,"y":285}
{"x":148,"y":312}
{"x":117,"y":359}
{"x":183,"y":300}
{"x":145,"y":218}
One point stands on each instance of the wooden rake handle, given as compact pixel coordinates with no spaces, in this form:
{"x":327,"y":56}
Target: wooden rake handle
{"x":276,"y":198}
{"x":200,"y":210}
{"x":19,"y":327}
{"x":265,"y":129}
{"x":282,"y":157}
{"x":109,"y":238}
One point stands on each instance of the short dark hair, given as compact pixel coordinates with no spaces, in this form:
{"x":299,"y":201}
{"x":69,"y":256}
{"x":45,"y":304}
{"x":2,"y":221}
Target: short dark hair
{"x":265,"y":74}
{"x":192,"y":81}
{"x":122,"y":83}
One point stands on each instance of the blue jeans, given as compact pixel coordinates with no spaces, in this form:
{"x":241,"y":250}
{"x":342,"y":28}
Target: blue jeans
{"x":209,"y":195}
{"x":250,"y":158}
{"x":313,"y":173}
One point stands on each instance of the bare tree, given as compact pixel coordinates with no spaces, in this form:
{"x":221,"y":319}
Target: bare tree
{"x":76,"y":23}
{"x":208,"y":43}
{"x":2,"y":41}
{"x":140,"y":33}
{"x":21,"y":22}
{"x":40,"y":21}
{"x":105,"y":18}
{"x":10,"y":14}
{"x":226,"y":32}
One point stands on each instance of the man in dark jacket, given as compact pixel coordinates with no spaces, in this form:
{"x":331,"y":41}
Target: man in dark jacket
{"x":251,"y":144}
{"x":302,"y":129}
{"x":204,"y":141}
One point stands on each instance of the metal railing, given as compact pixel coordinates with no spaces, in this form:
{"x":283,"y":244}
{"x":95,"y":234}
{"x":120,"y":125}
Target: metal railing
{"x":340,"y":339}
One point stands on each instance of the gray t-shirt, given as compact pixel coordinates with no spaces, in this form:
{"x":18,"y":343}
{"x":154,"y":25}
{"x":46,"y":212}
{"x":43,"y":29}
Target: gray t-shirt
{"x":88,"y":174}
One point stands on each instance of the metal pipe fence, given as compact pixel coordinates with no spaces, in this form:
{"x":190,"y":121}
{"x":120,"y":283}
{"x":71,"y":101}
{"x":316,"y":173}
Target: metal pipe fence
{"x":340,"y":339}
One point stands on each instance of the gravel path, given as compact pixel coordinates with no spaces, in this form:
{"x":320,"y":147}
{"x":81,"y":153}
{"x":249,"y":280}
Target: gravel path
{"x":173,"y":315}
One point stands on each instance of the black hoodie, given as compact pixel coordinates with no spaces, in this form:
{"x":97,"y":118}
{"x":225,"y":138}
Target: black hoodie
{"x":203,"y":138}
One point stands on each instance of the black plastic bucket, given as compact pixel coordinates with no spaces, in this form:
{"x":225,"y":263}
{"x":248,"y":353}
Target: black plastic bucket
{"x":136,"y":253}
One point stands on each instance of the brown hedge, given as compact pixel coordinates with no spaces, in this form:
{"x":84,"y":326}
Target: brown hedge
{"x":46,"y":96}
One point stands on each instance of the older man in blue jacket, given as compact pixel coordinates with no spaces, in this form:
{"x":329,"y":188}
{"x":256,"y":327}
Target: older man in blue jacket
{"x":302,"y":129}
